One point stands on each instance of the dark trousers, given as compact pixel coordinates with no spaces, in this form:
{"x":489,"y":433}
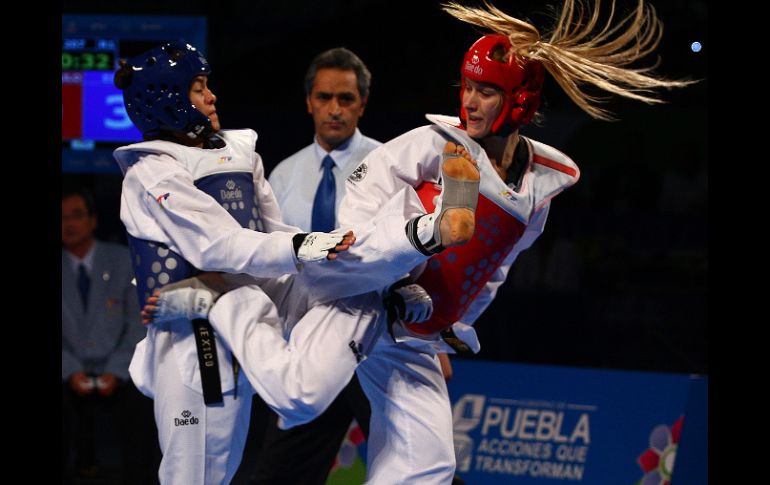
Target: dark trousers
{"x":305,"y":454}
{"x":136,"y":434}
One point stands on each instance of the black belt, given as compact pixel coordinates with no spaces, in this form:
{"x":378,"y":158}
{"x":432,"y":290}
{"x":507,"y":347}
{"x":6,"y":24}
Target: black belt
{"x":207,"y":360}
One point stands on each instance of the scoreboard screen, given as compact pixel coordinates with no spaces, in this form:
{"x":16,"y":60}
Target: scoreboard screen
{"x":92,"y":45}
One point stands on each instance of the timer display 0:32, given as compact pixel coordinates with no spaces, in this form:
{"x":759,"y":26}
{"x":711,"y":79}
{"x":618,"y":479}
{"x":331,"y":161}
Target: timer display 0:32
{"x":87,"y":61}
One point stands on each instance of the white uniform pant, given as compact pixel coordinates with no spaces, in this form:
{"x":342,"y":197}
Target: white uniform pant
{"x":410,"y":431}
{"x":410,"y":438}
{"x":201,"y":445}
{"x":300,"y":377}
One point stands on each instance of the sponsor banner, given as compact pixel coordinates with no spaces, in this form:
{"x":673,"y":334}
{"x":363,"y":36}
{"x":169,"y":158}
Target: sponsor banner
{"x":538,"y":425}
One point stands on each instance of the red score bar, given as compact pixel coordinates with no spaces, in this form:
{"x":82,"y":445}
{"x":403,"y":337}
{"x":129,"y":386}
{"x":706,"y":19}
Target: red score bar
{"x":71,"y":100}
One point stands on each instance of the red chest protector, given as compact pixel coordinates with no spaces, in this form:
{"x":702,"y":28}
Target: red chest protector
{"x":454,"y":277}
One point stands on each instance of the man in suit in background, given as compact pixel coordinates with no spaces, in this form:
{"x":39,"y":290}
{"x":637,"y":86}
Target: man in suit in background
{"x":100,"y":327}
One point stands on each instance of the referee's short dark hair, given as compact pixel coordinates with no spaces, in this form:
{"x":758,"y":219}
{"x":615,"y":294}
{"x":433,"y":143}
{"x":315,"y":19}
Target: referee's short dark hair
{"x":339,"y":58}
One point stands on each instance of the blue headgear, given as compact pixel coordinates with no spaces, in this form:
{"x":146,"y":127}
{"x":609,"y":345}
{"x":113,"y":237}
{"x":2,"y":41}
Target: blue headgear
{"x":157,"y":91}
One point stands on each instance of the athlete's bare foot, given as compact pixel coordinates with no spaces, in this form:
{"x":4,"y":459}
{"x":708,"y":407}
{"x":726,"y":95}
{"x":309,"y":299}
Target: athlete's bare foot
{"x":460,"y":174}
{"x":453,"y":220}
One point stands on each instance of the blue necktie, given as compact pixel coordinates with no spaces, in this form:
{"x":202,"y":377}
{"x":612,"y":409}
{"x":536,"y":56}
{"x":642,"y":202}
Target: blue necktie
{"x":84,"y":283}
{"x":325,"y":197}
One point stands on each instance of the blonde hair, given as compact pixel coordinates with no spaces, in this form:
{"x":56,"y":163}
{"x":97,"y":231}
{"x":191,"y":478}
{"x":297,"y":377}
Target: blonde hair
{"x":577,"y":58}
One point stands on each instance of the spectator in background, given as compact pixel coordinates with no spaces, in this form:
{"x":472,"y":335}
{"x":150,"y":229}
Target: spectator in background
{"x":100,"y":327}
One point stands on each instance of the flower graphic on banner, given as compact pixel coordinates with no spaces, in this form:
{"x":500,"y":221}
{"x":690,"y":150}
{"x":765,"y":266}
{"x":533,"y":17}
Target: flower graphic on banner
{"x":349,"y":448}
{"x":348,"y":467}
{"x":657,"y":461}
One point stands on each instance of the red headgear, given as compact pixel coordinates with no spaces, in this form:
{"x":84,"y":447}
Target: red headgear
{"x":520,"y":80}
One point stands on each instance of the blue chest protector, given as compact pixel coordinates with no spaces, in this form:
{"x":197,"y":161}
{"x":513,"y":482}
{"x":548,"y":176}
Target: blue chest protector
{"x":156,"y":265}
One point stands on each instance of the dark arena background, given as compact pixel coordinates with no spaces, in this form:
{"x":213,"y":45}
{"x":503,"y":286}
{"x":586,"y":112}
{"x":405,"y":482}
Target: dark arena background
{"x":619,"y":278}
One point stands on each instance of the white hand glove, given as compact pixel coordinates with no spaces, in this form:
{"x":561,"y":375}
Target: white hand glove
{"x":187,"y":303}
{"x":317,"y":245}
{"x":412,"y":303}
